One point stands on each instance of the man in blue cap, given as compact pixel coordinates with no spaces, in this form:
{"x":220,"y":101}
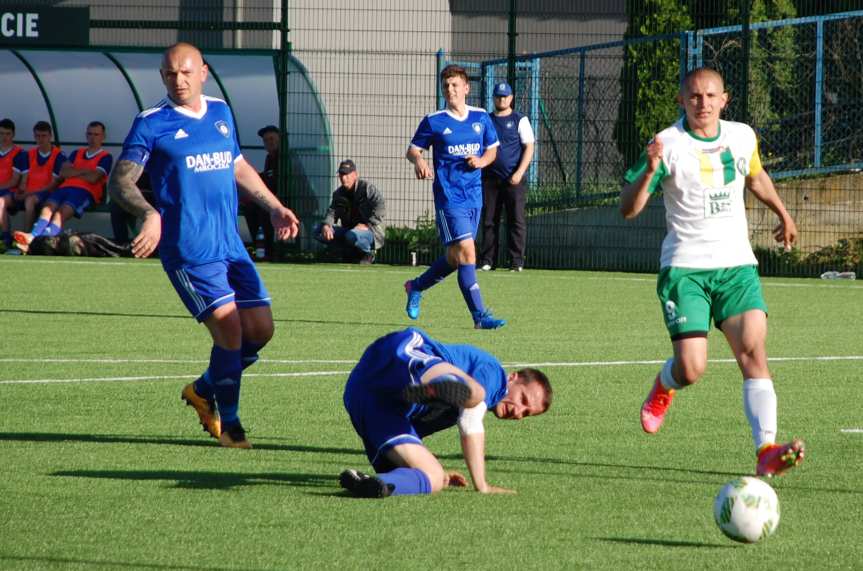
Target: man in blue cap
{"x":503,"y":182}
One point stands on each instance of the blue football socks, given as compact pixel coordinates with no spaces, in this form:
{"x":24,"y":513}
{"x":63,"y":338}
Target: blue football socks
{"x":249,"y":352}
{"x":204,"y":386}
{"x":51,"y":230}
{"x":39,"y":227}
{"x":470,"y":288}
{"x":437,"y":272}
{"x":7,"y":238}
{"x":225,"y":373}
{"x":407,"y":481}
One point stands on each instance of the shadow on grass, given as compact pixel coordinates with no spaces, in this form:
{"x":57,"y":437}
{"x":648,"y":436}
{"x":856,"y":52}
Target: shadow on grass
{"x":195,"y":480}
{"x":124,"y":439}
{"x":564,"y":462}
{"x":663,"y":542}
{"x":95,"y":563}
{"x":185,"y":316}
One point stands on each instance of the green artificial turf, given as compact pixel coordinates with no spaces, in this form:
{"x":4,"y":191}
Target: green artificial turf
{"x":102,"y":467}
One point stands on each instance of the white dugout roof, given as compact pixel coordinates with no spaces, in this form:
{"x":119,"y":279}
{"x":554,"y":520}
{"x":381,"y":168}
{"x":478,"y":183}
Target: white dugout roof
{"x":70,"y":88}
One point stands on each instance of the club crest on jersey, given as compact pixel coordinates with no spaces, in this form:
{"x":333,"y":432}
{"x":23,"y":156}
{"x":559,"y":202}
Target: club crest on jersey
{"x":477,"y":127}
{"x":223,"y":128}
{"x":510,"y":124}
{"x":742,"y":166}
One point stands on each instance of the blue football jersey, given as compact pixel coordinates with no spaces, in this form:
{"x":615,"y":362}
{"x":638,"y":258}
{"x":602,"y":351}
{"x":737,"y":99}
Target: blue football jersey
{"x":190,"y":159}
{"x":452,"y":140}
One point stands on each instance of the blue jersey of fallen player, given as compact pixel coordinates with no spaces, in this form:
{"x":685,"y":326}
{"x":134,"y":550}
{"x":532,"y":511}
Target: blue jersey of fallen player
{"x":452,"y":140}
{"x":190,"y":159}
{"x":482,"y":366}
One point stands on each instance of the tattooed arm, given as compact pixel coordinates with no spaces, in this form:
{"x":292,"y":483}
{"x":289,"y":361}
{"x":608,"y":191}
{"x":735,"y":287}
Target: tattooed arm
{"x":127,"y":195}
{"x":284,"y":220}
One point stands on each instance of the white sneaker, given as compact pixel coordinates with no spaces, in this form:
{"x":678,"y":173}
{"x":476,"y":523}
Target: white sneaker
{"x":485,"y":268}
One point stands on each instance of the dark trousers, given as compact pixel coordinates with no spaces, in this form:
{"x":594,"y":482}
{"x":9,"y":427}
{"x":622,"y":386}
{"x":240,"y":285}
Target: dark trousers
{"x":257,"y":218}
{"x":122,"y":221}
{"x":498,"y":195}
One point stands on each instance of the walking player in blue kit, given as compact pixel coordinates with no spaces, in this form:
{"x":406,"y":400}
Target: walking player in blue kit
{"x":464,"y":141}
{"x":407,"y":386}
{"x":188,"y":143}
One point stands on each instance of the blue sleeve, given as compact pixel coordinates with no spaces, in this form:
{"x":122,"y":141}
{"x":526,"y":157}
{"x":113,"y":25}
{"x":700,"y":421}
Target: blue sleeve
{"x":424,"y":135}
{"x":21,"y":162}
{"x":61,"y":160}
{"x":237,"y":151}
{"x":106,"y":162}
{"x":138,"y":144}
{"x":489,"y":137}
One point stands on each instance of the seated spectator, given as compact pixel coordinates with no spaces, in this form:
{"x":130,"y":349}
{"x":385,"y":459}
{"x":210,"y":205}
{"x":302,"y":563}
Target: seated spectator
{"x":122,"y":221}
{"x":359,"y":208}
{"x":41,"y":175}
{"x":13,"y":161}
{"x":85,"y":174}
{"x":258,"y":218}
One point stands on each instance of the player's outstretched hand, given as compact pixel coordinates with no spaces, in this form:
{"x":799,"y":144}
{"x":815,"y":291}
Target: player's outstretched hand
{"x":654,"y":154}
{"x":786,"y":232}
{"x":455,"y":479}
{"x":147,"y":240}
{"x":285,"y":223}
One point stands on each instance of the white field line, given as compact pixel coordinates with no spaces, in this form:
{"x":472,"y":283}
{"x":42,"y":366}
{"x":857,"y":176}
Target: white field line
{"x":170,"y":361}
{"x":547,"y":274}
{"x":851,"y":430}
{"x":765,"y":282}
{"x":161,"y":378}
{"x":340,"y":362}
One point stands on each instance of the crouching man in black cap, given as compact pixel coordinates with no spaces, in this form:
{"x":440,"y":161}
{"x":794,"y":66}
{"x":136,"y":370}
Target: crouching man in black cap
{"x":355,"y":218}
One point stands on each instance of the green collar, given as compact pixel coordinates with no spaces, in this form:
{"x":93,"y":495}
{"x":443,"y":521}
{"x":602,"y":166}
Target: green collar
{"x":696,"y":137}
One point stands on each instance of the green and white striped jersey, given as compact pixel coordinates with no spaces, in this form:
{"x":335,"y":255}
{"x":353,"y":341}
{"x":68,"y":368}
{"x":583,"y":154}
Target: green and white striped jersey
{"x":703,"y":181}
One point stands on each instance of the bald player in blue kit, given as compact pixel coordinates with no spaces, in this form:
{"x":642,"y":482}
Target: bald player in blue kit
{"x":408,"y":385}
{"x":188,"y":143}
{"x":463,"y":141}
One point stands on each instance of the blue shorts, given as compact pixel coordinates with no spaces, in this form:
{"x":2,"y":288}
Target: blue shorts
{"x":206,"y":287}
{"x":457,"y":224}
{"x":17,"y":205}
{"x":373,"y":398}
{"x":78,"y":199}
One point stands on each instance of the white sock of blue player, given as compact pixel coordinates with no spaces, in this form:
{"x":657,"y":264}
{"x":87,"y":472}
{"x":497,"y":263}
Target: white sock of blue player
{"x":406,"y":481}
{"x":225,"y":374}
{"x":666,"y":377}
{"x":470,"y":288}
{"x":436,"y":272}
{"x":759,"y":404}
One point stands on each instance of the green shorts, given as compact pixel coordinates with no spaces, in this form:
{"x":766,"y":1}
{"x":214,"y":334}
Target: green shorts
{"x":690,"y":297}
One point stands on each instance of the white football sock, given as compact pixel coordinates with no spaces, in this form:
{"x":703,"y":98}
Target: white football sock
{"x":759,"y":404}
{"x":666,"y":378}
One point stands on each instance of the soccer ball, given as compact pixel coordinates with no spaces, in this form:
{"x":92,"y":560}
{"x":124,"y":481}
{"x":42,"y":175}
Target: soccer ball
{"x":746,"y":510}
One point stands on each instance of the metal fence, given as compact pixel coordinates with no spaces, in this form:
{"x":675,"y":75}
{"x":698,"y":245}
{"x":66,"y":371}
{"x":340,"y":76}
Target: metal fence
{"x":580,"y":77}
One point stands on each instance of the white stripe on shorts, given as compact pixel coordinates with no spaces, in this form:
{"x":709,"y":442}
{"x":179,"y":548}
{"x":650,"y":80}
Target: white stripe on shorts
{"x":447,"y":237}
{"x":184,"y":280}
{"x":214,"y":302}
{"x":385,"y":445}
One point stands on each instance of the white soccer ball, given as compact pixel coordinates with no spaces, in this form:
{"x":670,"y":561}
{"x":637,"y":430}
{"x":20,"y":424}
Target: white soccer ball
{"x":746,"y":509}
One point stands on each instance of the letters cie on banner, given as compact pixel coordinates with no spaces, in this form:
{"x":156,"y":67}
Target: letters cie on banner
{"x":27,"y":26}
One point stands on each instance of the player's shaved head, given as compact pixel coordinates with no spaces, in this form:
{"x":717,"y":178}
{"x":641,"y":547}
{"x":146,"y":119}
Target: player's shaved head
{"x":181,"y":50}
{"x":701,"y":73}
{"x":184,"y":73}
